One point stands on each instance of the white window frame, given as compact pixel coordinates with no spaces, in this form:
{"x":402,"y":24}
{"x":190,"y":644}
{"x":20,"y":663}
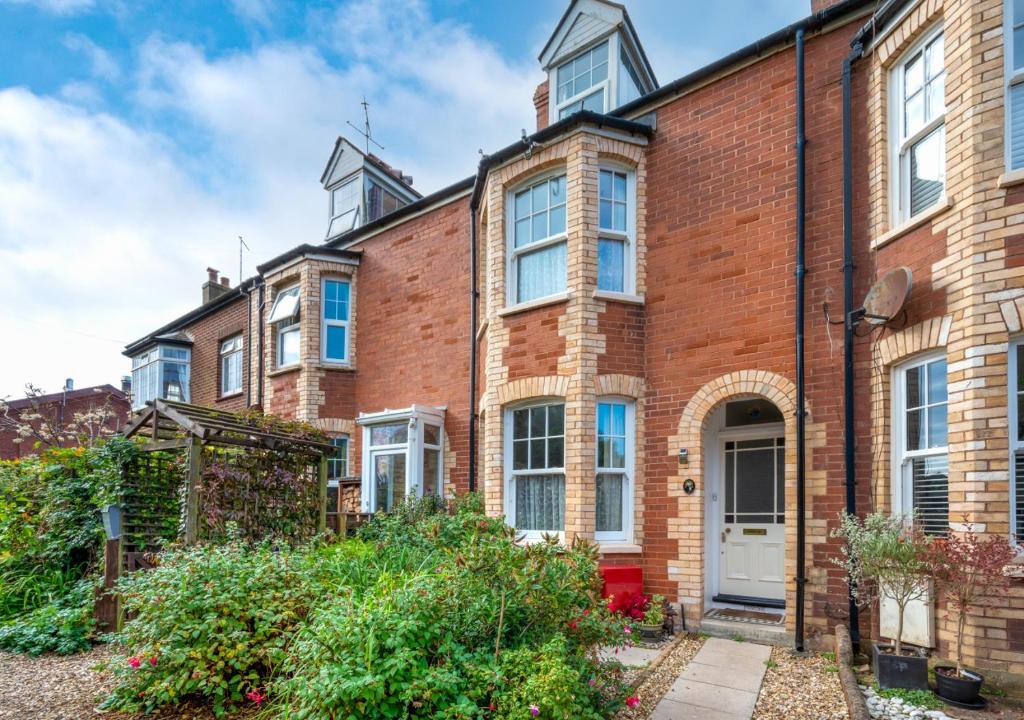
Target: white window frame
{"x":417,"y":417}
{"x":1013,"y":77}
{"x":357,"y":210}
{"x":900,"y":146}
{"x":607,"y":86}
{"x":291,"y":323}
{"x":512,"y":253}
{"x":325,"y":323}
{"x":902,"y":491}
{"x":150,"y":365}
{"x":227,"y":355}
{"x":333,"y":481}
{"x":628,"y":472}
{"x":1016,"y":444}
{"x":511,"y":474}
{"x":628,"y":237}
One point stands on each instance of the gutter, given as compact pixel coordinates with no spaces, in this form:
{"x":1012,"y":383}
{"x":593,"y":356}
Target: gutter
{"x":801,"y":414}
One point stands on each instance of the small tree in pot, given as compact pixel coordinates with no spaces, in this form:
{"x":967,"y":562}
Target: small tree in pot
{"x":888,"y":555}
{"x":967,"y":569}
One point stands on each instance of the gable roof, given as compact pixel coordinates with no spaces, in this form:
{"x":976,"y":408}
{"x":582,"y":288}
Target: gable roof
{"x":343,"y":148}
{"x":50,"y":398}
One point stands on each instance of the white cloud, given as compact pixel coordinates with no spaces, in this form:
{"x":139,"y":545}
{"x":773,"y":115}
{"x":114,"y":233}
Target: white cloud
{"x":57,"y":7}
{"x":107,"y":225}
{"x":254,"y":11}
{"x":101,"y":64}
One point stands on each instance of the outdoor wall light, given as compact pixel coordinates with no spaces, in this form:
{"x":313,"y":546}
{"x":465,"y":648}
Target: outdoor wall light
{"x":689,"y":486}
{"x":684,"y":456}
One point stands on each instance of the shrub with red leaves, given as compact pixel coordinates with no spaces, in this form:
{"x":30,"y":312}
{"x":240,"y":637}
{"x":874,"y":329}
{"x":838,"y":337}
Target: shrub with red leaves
{"x":631,"y":605}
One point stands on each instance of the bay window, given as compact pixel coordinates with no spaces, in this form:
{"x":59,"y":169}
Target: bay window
{"x":1013,"y":52}
{"x":403,"y":456}
{"x":615,"y":463}
{"x":334,"y":321}
{"x":921,"y":485}
{"x":231,"y":365}
{"x":1016,"y":388}
{"x":616,"y":248}
{"x":284,"y":317}
{"x":162,"y":372}
{"x":918,"y":134}
{"x":535,"y":468}
{"x":537,"y":240}
{"x":582,"y":83}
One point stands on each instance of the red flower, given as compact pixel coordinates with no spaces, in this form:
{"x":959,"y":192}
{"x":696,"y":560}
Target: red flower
{"x":632,"y":701}
{"x":134,"y":662}
{"x":573,"y":624}
{"x":152,"y":661}
{"x":256,"y":696}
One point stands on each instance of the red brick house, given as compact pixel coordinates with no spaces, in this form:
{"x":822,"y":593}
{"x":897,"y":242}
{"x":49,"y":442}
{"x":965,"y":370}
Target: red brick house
{"x":60,"y":419}
{"x":630,"y":325}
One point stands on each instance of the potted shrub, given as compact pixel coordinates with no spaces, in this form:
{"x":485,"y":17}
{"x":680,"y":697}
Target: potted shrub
{"x":889,"y":555}
{"x":967,"y":569}
{"x":652,"y":624}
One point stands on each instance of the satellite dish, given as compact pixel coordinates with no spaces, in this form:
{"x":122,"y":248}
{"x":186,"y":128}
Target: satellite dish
{"x":887,"y":296}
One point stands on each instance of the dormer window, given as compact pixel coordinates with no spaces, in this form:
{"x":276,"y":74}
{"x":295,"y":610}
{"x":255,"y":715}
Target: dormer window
{"x":345,"y":205}
{"x":583,"y":82}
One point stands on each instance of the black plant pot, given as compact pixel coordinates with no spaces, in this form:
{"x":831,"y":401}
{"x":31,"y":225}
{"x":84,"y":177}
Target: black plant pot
{"x":960,"y":690}
{"x":651,"y":632}
{"x":909,"y":672}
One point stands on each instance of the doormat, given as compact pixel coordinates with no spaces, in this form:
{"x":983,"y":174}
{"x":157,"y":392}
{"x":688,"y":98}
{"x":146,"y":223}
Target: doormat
{"x":756,"y":617}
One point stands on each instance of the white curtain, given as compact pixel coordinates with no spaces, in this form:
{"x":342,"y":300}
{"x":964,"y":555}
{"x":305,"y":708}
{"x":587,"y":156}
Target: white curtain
{"x":609,"y":502}
{"x":541,"y":272}
{"x":540,"y":502}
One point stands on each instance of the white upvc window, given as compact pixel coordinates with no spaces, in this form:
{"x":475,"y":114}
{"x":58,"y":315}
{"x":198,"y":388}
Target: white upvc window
{"x":231,"y":365}
{"x":284,"y":317}
{"x":917,"y":132}
{"x":346,"y":204}
{"x":920,"y":445}
{"x":337,"y":464}
{"x":616,"y":244}
{"x":403,"y":456}
{"x":1013,"y":55}
{"x":163,"y":372}
{"x":616,"y":423}
{"x":537,"y":241}
{"x":535,"y":468}
{"x":582,"y":83}
{"x":334,"y":320}
{"x":1016,"y":403}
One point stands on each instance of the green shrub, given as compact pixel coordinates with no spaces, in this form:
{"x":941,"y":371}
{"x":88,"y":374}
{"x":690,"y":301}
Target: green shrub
{"x":209,"y":621}
{"x":64,"y":625}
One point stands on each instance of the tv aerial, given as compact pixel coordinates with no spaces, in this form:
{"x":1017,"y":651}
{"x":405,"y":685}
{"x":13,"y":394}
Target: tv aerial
{"x":886,"y":298}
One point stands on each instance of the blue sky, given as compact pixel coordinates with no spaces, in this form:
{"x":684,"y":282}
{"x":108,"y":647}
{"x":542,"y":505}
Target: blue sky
{"x":139,"y":139}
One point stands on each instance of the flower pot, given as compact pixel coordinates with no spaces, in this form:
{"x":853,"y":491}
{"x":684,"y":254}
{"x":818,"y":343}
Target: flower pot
{"x":909,"y":672}
{"x":651,"y":632}
{"x":960,"y":690}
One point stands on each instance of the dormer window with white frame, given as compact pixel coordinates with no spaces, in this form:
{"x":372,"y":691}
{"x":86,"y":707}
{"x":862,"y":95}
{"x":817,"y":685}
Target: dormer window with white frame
{"x":345,"y":207}
{"x":594,"y":61}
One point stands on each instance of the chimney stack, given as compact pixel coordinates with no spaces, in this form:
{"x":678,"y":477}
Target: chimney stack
{"x":215,"y":286}
{"x":69,"y":385}
{"x":540,"y":102}
{"x":126,"y":384}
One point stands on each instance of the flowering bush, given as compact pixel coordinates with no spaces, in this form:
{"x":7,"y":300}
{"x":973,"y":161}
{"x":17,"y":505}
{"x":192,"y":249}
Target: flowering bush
{"x":630,"y":605}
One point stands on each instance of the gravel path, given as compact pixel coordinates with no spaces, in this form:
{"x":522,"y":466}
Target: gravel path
{"x":658,"y":680}
{"x":800,"y":688}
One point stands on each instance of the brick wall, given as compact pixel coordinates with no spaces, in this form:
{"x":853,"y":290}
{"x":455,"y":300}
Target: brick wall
{"x":60,"y":414}
{"x":207,"y":335}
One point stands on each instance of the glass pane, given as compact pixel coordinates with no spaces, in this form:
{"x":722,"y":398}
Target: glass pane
{"x":730,"y":482}
{"x":618,"y":453}
{"x":541,"y":272}
{"x":594,"y":102}
{"x":332,"y":498}
{"x":755,"y":481}
{"x":1020,"y":353}
{"x":914,"y":114}
{"x":539,"y":193}
{"x":619,"y":217}
{"x":751,"y":412}
{"x":521,"y":455}
{"x":522,"y":204}
{"x":604,"y":452}
{"x":605,"y":184}
{"x":289,"y":347}
{"x":604,"y":214}
{"x":522,"y":232}
{"x":600,"y":53}
{"x":915,"y":388}
{"x":609,"y":502}
{"x":556,"y":188}
{"x":618,"y":419}
{"x":556,"y":419}
{"x":521,"y":423}
{"x":611,"y":265}
{"x":1018,"y":485}
{"x":539,"y":226}
{"x":335,"y":342}
{"x":431,"y":434}
{"x":620,"y":187}
{"x":780,"y":483}
{"x":604,"y":421}
{"x":1018,"y":12}
{"x":538,"y":421}
{"x":538,"y":455}
{"x":915,"y":430}
{"x":1018,"y":47}
{"x":913,"y":76}
{"x":581,"y":83}
{"x":1020,"y":418}
{"x":937,"y":382}
{"x":581,"y":65}
{"x":599,"y":73}
{"x":750,"y":444}
{"x":540,"y":502}
{"x":564,"y":90}
{"x":930,"y":481}
{"x":390,"y":434}
{"x":336,"y":300}
{"x":937,"y":426}
{"x":936,"y":61}
{"x":936,"y":97}
{"x":556,"y":452}
{"x":431,"y":471}
{"x":389,"y":480}
{"x":556,"y":220}
{"x":927,"y":171}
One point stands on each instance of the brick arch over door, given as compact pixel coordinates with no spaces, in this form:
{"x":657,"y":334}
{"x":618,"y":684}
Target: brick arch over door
{"x":688,"y":525}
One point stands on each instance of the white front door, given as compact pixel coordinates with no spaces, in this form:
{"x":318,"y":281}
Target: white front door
{"x":752,"y":519}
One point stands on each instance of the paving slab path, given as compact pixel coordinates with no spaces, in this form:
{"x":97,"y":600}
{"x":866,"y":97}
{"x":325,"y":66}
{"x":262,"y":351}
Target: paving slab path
{"x":720,"y":683}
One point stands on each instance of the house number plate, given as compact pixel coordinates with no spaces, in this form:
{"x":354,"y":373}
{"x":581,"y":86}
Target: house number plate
{"x":755,"y":531}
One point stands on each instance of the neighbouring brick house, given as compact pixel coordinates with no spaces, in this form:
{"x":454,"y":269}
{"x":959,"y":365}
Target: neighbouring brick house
{"x":631,"y":350}
{"x":61,"y":419}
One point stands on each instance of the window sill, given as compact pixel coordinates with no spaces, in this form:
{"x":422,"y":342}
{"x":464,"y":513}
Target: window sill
{"x":284,"y":370}
{"x":1011,"y":178}
{"x":619,"y":297}
{"x":229,"y":396}
{"x":533,"y":304}
{"x":619,"y":548}
{"x":347,"y":367}
{"x":913,"y":223}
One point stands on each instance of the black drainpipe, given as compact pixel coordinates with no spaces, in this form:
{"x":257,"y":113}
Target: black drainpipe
{"x":474,"y":295}
{"x":248,"y":347}
{"x":801,"y":141}
{"x":848,"y":268}
{"x":259,"y":380}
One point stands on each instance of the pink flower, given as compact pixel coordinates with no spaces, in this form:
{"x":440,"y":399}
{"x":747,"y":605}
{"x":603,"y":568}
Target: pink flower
{"x":134,"y":662}
{"x":256,"y":696}
{"x":152,"y":661}
{"x":632,"y":701}
{"x":592,"y":682}
{"x":628,"y":630}
{"x":534,"y":710}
